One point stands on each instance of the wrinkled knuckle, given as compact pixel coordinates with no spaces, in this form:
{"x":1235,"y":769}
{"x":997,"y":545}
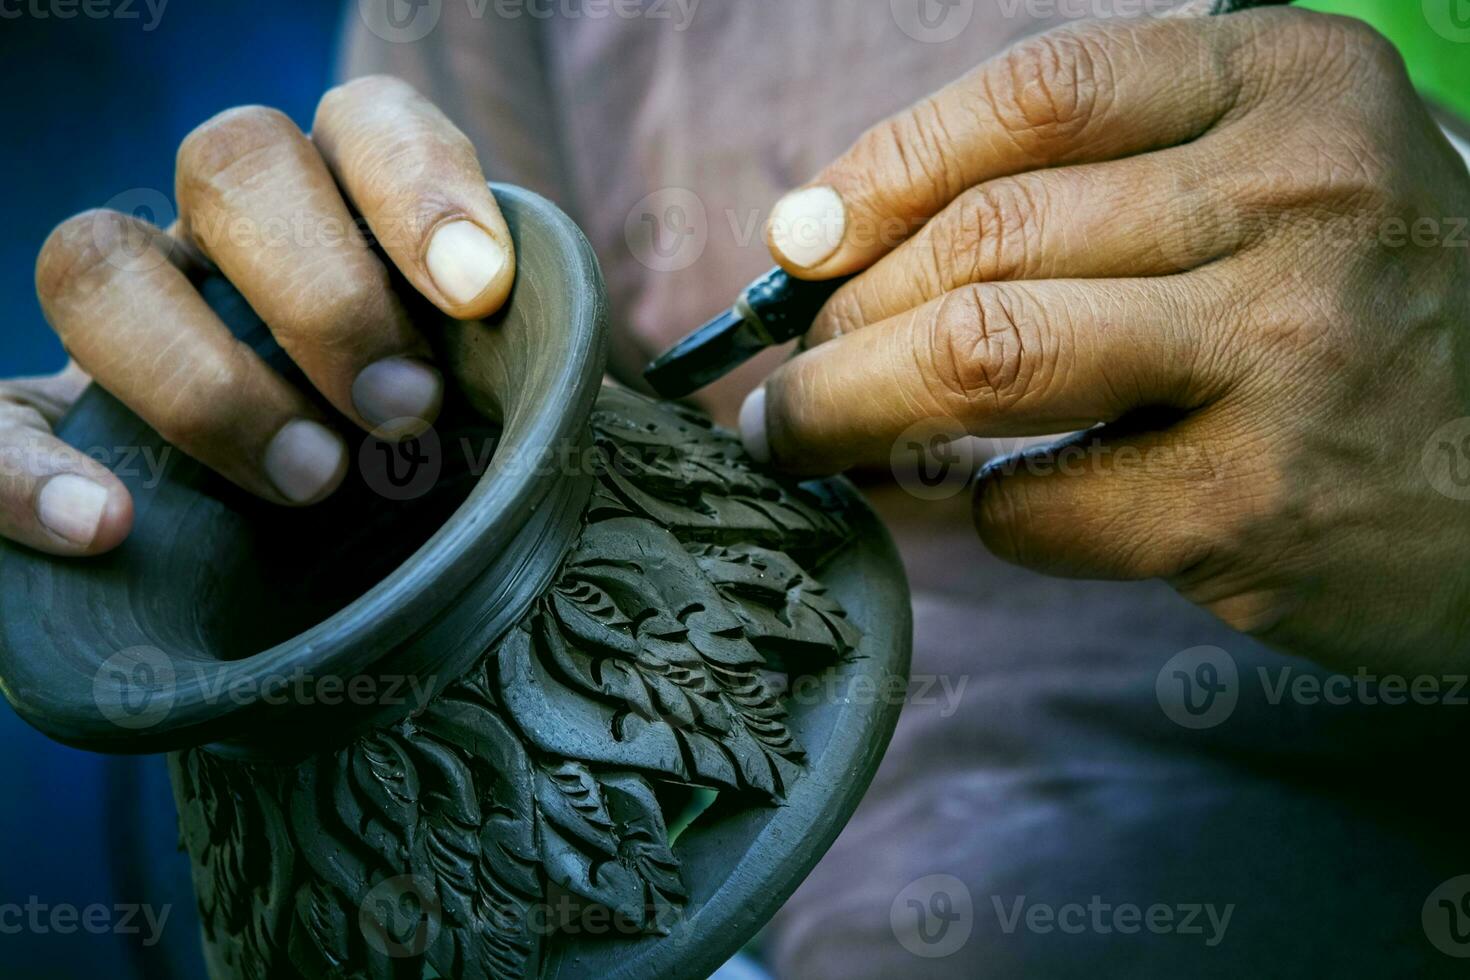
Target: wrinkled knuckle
{"x":977,"y":359}
{"x":237,"y":144}
{"x":1053,"y":87}
{"x":68,"y":252}
{"x":82,"y":253}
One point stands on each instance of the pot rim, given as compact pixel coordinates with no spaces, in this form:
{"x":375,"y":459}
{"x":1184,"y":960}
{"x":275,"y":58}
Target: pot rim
{"x":500,"y":546}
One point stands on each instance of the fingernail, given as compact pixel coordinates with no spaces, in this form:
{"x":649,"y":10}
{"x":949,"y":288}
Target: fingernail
{"x":72,"y":506}
{"x":398,"y":390}
{"x":463,"y":259}
{"x":305,"y":460}
{"x":807,"y":226}
{"x":753,"y":426}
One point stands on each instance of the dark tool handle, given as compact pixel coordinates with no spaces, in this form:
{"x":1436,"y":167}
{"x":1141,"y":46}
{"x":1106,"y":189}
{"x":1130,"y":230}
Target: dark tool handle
{"x":772,"y":310}
{"x":785,"y":305}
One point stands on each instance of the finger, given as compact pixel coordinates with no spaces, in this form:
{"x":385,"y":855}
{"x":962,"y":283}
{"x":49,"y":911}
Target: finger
{"x":52,"y":497}
{"x":133,"y":321}
{"x":416,"y":180}
{"x":1000,"y":359}
{"x":277,"y":227}
{"x":1118,"y":502}
{"x":1078,"y":94}
{"x":1153,"y":215}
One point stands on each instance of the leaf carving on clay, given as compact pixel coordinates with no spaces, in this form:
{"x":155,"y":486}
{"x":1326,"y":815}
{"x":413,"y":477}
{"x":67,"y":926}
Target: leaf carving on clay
{"x":655,"y":657}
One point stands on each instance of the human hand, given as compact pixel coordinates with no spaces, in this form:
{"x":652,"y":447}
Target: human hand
{"x":269,"y":208}
{"x":1239,"y":245}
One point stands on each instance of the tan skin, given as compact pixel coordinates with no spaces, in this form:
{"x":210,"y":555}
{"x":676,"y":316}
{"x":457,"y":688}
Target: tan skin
{"x":1181,"y":214}
{"x":268,"y":206}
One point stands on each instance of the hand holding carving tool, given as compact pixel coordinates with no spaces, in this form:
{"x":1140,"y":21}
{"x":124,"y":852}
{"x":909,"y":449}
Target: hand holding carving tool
{"x":779,"y":307}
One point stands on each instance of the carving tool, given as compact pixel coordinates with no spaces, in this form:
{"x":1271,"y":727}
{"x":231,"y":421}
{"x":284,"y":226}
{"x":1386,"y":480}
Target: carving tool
{"x":778,"y":307}
{"x":775,"y":308}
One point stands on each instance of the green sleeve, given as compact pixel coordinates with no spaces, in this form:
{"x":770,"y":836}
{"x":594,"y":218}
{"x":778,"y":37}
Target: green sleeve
{"x":1434,"y":36}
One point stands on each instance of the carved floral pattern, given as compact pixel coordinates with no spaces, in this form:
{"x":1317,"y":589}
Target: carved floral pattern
{"x":436,"y":845}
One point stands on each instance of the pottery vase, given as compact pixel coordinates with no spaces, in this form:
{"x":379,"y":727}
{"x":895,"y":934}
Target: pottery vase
{"x":564,"y":687}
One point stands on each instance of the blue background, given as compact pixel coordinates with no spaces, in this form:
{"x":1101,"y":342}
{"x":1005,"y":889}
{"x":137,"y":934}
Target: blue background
{"x":92,"y":108}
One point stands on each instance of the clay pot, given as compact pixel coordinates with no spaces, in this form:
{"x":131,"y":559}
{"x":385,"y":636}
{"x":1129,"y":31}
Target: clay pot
{"x":481,"y":680}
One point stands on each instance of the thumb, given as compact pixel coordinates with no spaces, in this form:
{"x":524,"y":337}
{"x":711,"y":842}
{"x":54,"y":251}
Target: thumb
{"x":52,"y":497}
